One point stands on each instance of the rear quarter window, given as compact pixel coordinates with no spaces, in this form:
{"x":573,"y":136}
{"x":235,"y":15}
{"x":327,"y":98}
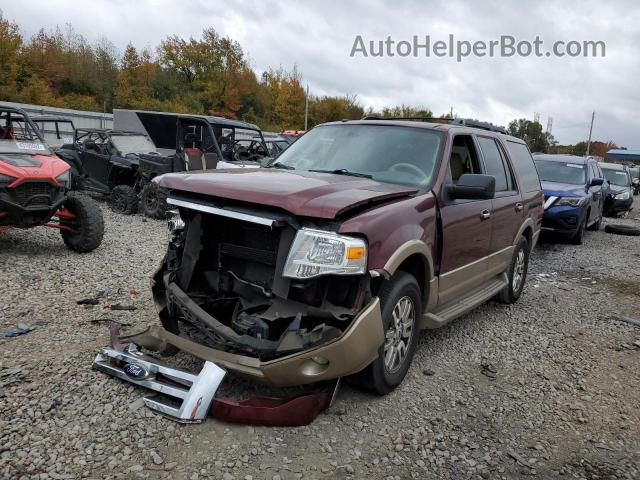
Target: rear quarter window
{"x":523,"y":162}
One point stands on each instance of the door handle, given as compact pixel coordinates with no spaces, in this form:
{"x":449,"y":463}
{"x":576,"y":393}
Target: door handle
{"x":519,"y":207}
{"x":485,"y":214}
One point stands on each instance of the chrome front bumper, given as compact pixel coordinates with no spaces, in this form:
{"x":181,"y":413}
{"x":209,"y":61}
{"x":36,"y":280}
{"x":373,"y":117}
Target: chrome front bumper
{"x":185,"y":397}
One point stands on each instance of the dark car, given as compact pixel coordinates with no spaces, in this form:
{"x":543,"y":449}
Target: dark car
{"x":619,"y":199}
{"x":635,"y":179}
{"x":106,"y":161}
{"x":329,"y":262}
{"x":574,"y":193}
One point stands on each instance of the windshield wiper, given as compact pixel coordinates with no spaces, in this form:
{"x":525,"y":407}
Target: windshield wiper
{"x":280,"y":165}
{"x":344,"y":171}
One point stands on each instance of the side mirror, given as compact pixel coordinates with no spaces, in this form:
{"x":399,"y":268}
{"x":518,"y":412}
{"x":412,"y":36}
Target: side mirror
{"x":473,"y":187}
{"x":596,"y":182}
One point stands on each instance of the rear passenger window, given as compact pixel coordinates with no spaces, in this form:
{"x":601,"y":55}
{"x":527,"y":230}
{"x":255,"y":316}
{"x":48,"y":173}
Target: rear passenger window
{"x":493,"y":162}
{"x":526,"y":168}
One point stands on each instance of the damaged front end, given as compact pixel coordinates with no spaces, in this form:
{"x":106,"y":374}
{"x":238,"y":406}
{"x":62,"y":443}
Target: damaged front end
{"x":265,"y":294}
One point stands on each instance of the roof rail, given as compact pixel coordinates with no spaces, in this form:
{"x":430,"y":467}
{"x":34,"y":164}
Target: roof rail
{"x":467,"y":122}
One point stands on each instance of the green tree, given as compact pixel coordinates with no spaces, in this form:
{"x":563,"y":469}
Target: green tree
{"x":10,"y":44}
{"x":532,"y":133}
{"x":289,"y":106}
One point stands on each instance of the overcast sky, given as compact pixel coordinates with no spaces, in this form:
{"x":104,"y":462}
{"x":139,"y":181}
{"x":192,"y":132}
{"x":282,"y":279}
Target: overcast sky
{"x":318,"y":37}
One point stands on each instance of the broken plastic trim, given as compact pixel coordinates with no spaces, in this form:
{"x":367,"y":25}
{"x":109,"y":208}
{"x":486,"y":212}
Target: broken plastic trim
{"x":192,"y":393}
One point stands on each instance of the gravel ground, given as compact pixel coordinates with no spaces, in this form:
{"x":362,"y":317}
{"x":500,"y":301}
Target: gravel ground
{"x":557,"y":396}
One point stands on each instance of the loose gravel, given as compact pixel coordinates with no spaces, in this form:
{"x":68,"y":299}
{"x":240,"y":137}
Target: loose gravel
{"x":545,"y":388}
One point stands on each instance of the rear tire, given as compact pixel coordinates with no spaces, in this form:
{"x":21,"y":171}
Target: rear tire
{"x":154,"y":201}
{"x":401,"y":306}
{"x":517,"y":273}
{"x":88,"y":221}
{"x":124,"y":200}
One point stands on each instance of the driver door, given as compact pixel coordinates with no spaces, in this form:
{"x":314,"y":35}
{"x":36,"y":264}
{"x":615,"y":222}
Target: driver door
{"x":467,"y":227}
{"x":95,"y":160}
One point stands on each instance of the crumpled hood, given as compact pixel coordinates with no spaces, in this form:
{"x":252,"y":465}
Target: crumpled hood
{"x":563,"y":189}
{"x":615,"y":189}
{"x":308,"y":194}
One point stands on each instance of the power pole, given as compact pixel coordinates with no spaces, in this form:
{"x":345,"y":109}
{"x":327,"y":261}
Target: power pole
{"x":306,"y":108}
{"x":590,"y":132}
{"x":549,"y":125}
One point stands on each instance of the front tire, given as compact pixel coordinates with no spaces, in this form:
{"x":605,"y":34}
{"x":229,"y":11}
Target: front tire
{"x":124,"y":200}
{"x":517,"y":273}
{"x":401,"y":306}
{"x":578,"y":237}
{"x":88,"y":222}
{"x":154,"y":201}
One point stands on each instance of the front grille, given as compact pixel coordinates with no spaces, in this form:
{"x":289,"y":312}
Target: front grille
{"x":33,"y":193}
{"x":258,"y":255}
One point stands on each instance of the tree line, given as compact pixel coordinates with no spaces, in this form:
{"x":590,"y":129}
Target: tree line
{"x":543,"y":142}
{"x":206,"y":75}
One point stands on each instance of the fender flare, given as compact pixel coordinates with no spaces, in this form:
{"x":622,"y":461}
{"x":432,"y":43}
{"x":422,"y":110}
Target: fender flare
{"x":528,"y":223}
{"x":406,"y":250}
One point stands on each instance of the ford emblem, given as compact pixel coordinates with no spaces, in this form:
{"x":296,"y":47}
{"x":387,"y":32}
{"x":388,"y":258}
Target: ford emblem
{"x":135,"y":371}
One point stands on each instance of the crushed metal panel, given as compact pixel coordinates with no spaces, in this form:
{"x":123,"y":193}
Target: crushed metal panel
{"x":191,"y":394}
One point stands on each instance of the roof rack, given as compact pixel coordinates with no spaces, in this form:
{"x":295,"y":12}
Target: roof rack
{"x":466,"y":122}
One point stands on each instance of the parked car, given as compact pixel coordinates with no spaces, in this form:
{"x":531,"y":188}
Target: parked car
{"x":34,"y":185}
{"x":635,"y":179}
{"x":106,"y":161}
{"x":574,"y":193}
{"x":329,"y":262}
{"x":619,"y":198}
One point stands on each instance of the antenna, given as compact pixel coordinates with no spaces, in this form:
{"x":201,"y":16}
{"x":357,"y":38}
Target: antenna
{"x":536,"y":117}
{"x":549,"y":125}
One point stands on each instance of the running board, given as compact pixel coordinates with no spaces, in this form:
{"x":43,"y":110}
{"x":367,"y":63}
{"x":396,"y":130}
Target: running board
{"x":190,"y":395}
{"x":443,"y":315}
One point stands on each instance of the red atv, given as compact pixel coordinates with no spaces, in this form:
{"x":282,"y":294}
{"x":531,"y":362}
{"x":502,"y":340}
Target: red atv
{"x":34,"y":183}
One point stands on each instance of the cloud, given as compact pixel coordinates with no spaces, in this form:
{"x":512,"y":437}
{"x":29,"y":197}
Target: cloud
{"x":318,"y":36}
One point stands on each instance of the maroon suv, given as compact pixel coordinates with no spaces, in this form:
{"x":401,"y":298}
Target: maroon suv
{"x":329,"y":262}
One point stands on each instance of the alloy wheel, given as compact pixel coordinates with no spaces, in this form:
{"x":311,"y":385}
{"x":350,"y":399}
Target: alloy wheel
{"x":399,"y":333}
{"x":518,"y":271}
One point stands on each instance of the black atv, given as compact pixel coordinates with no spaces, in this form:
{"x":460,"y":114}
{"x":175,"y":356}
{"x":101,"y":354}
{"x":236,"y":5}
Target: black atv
{"x":107,"y":161}
{"x":193,"y":143}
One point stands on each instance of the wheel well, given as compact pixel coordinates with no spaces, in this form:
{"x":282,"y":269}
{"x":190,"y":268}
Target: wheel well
{"x":122,"y":176}
{"x":528,"y":234}
{"x":417,"y":266}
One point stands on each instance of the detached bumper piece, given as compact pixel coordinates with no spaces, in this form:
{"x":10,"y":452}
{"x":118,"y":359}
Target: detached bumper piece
{"x":185,"y":397}
{"x":280,"y":412}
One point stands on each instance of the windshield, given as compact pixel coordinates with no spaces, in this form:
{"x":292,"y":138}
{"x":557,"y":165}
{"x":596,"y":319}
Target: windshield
{"x":561,"y":172}
{"x":617,"y":177}
{"x":18,"y":136}
{"x":133,"y":144}
{"x":404,"y":155}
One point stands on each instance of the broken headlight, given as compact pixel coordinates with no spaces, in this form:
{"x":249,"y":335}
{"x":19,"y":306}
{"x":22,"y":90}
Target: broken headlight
{"x":316,"y":252}
{"x":622,"y":196}
{"x":174,"y":222}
